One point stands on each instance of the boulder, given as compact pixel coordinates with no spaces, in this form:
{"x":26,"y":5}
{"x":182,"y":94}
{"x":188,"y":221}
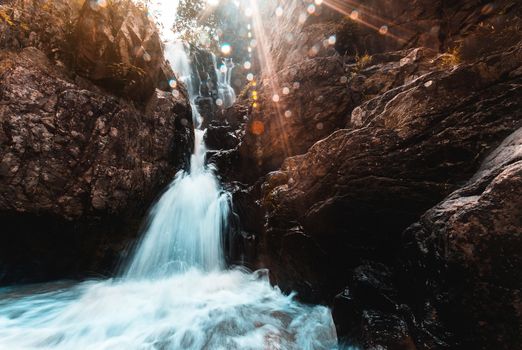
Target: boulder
{"x":72,"y":155}
{"x":221,"y":136}
{"x":118,"y":46}
{"x":354,"y":192}
{"x":463,"y":255}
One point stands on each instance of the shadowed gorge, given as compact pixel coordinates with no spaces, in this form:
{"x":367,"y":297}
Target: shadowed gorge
{"x":247,"y":174}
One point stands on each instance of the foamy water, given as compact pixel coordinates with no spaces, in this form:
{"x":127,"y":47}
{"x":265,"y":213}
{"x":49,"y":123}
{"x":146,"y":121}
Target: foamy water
{"x":193,"y":310}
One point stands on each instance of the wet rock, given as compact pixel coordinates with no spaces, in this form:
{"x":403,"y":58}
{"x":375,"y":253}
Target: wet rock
{"x":221,"y":137}
{"x":346,"y":312}
{"x":371,"y":285}
{"x":355,"y":191}
{"x":307,"y":269}
{"x":204,"y":63}
{"x":244,"y":234}
{"x":231,"y":166}
{"x":207,"y":109}
{"x":463,"y":255}
{"x":385,"y":331}
{"x":73,"y":158}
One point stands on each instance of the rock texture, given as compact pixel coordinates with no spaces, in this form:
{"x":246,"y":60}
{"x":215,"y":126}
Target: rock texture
{"x":118,"y":47}
{"x":405,"y":150}
{"x":359,"y":124}
{"x":71,"y":151}
{"x":463,"y":256}
{"x":378,"y":26}
{"x":374,"y":163}
{"x":317,"y":80}
{"x":114,"y":44}
{"x":46,"y":25}
{"x":79,"y":165}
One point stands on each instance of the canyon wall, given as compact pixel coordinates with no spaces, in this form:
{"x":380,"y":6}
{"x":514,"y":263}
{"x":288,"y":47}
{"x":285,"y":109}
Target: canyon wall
{"x":90,"y":134}
{"x":374,"y":164}
{"x":380,"y":153}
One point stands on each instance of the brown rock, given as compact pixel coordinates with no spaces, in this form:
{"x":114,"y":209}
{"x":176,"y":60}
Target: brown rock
{"x":322,"y":94}
{"x":355,"y":191}
{"x":72,"y":157}
{"x":116,"y":45}
{"x":119,"y":47}
{"x":464,"y":254}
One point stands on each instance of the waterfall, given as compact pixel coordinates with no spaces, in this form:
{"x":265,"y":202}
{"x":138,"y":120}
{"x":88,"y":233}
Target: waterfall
{"x":184,"y":228}
{"x":176,"y":54}
{"x":226,"y":93}
{"x":175,"y":292}
{"x":185,"y":225}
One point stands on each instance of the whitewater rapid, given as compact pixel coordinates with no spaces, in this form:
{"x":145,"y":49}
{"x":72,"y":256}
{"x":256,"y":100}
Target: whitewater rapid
{"x":194,"y":310}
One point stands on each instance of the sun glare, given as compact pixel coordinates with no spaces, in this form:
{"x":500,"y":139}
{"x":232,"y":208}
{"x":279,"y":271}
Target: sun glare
{"x":164,"y":11}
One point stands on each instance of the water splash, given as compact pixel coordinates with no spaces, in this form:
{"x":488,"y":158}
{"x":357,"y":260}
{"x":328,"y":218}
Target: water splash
{"x":193,"y":311}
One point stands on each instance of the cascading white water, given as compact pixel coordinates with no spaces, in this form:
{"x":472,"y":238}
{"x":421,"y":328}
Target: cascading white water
{"x":198,"y":311}
{"x":185,"y":226}
{"x":224,"y":80}
{"x":175,"y":292}
{"x":176,"y":54}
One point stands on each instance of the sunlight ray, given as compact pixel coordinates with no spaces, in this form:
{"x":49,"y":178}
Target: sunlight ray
{"x":267,"y":63}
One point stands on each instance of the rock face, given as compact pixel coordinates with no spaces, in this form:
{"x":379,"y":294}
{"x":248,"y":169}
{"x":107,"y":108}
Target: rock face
{"x":46,"y":25}
{"x":318,"y":65}
{"x":119,"y":48}
{"x":463,"y":256}
{"x":378,"y":26}
{"x":72,"y":151}
{"x":404,"y":151}
{"x":358,"y":125}
{"x":114,"y":44}
{"x":317,"y":96}
{"x":313,"y":102}
{"x":79,"y":165}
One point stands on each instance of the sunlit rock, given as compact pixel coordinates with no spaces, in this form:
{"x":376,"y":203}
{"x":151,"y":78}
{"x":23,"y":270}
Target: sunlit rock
{"x":118,"y":46}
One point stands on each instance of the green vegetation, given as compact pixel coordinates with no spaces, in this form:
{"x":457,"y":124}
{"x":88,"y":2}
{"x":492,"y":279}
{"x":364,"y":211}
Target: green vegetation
{"x":362,"y":62}
{"x":451,"y":58}
{"x":5,"y":17}
{"x":209,"y":27}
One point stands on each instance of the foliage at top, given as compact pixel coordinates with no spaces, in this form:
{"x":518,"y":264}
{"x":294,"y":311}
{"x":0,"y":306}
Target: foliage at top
{"x":194,"y":24}
{"x":209,"y":27}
